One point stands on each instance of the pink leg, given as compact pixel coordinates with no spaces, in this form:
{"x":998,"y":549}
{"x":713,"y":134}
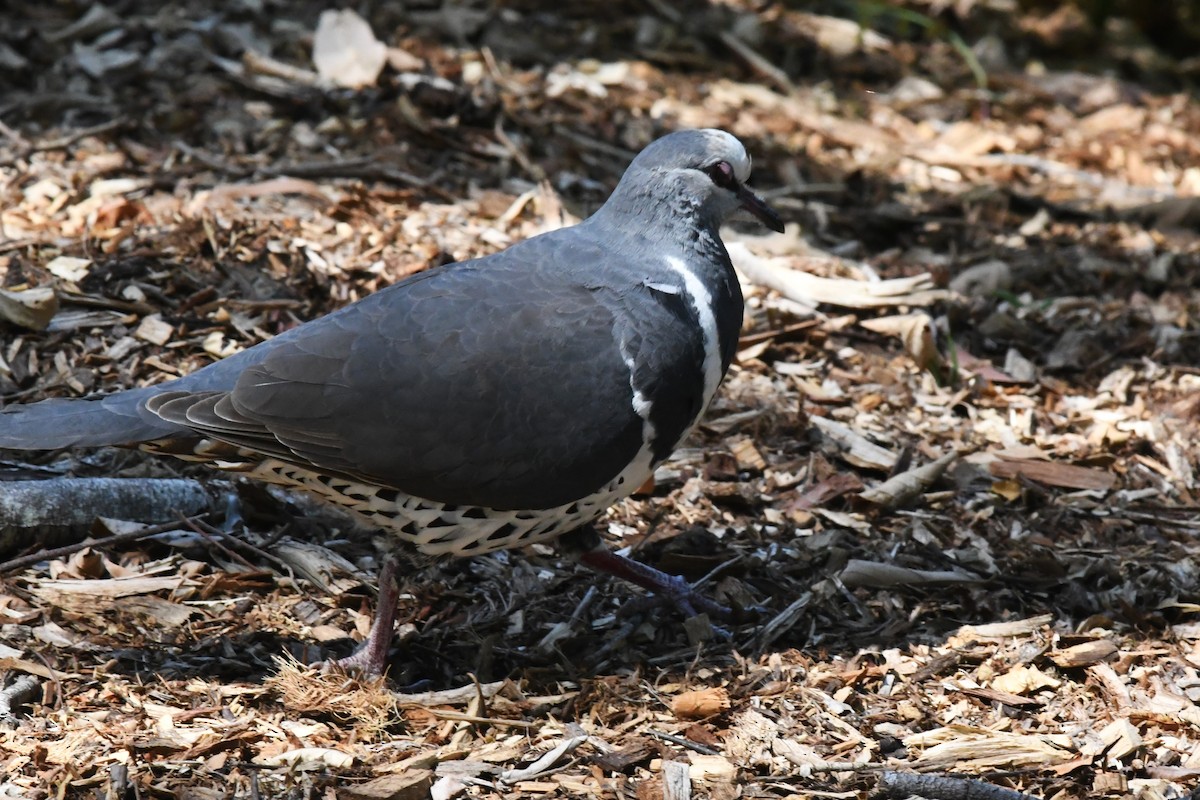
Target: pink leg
{"x":371,"y":656}
{"x":671,"y":587}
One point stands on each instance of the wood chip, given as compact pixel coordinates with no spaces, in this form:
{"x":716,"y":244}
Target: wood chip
{"x":635,"y":753}
{"x":998,"y":696}
{"x":1003,"y":630}
{"x":858,"y":572}
{"x":109,"y":587}
{"x":1053,"y":473}
{"x":411,"y":785}
{"x":677,"y":781}
{"x":747,"y":455}
{"x":69,"y":269}
{"x":1085,"y":654}
{"x":701,"y":703}
{"x":308,"y":758}
{"x":802,"y":287}
{"x":31,"y":308}
{"x":152,"y":329}
{"x":711,"y":769}
{"x":1116,"y":740}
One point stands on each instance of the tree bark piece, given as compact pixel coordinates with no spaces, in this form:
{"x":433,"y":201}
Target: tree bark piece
{"x":60,"y":510}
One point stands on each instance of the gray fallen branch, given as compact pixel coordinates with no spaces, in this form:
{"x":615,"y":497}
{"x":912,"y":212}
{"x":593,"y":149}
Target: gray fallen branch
{"x":61,"y":510}
{"x":944,"y":787}
{"x":877,"y":575}
{"x":15,"y":694}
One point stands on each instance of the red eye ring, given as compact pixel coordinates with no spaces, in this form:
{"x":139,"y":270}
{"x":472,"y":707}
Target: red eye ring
{"x":722,"y":175}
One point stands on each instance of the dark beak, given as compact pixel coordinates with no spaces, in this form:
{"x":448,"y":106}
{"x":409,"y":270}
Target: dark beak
{"x":754,"y":204}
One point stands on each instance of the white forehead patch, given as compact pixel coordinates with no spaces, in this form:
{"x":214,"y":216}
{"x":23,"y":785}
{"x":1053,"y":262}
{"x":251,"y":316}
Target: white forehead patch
{"x":732,"y":150}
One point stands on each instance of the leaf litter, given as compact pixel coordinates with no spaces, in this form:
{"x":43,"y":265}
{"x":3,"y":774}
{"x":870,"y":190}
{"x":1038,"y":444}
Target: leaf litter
{"x":950,"y":479}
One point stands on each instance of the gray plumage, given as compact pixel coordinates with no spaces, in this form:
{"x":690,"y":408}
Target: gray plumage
{"x":556,"y":372}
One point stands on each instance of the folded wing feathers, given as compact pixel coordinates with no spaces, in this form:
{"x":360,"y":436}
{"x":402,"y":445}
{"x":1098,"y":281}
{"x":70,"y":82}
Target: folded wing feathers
{"x":213,"y":414}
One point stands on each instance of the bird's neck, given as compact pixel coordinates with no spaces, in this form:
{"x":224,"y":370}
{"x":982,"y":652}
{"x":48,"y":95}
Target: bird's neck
{"x":677,"y":227}
{"x":677,"y":236}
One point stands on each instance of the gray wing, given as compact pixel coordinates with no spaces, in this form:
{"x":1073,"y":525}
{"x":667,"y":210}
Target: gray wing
{"x":499,"y":383}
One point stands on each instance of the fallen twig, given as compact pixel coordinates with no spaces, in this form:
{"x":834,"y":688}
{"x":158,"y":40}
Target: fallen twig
{"x":703,"y":749}
{"x":915,"y":290}
{"x":108,"y":541}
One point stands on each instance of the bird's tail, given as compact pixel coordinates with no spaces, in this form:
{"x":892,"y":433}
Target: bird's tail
{"x":84,"y":422}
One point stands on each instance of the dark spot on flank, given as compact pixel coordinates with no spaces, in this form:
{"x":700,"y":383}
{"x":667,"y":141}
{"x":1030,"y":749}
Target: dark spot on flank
{"x":503,"y":532}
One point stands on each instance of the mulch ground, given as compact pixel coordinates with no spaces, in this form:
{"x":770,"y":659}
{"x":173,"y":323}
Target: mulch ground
{"x":951,"y":483}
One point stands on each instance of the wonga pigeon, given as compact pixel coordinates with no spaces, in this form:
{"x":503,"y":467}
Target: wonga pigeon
{"x":485,"y":404}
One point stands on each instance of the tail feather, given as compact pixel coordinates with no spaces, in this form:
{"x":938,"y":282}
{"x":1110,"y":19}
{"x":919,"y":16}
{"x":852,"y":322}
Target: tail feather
{"x":83,"y":422}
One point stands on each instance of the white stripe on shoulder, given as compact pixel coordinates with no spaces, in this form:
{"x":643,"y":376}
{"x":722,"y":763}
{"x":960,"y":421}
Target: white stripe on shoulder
{"x":702,"y":301}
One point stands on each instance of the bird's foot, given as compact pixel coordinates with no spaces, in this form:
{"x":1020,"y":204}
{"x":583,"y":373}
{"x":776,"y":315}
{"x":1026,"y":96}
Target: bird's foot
{"x":371,"y":657}
{"x":669,"y":588}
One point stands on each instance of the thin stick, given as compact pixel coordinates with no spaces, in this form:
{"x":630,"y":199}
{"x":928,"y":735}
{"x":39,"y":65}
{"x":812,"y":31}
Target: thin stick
{"x":107,"y":541}
{"x":688,"y":743}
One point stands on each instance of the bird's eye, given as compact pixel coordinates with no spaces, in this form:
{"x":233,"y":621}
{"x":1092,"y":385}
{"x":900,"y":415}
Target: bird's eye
{"x":722,"y":175}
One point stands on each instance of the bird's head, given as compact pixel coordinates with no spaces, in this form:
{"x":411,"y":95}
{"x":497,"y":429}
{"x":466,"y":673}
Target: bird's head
{"x":706,"y":169}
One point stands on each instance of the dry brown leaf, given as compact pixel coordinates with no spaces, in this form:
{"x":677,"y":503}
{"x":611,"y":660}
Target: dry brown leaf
{"x":856,"y":448}
{"x":916,"y":333}
{"x":900,"y":489}
{"x":1024,"y":678}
